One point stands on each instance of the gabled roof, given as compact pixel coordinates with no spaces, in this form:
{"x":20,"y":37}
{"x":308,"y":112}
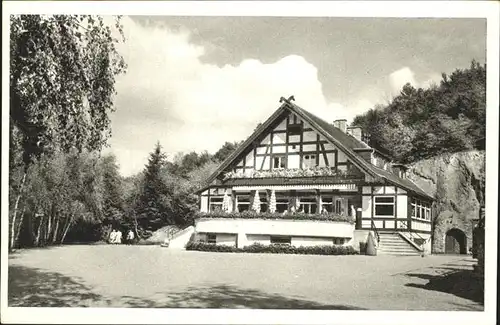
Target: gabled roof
{"x":348,"y":141}
{"x":398,"y":181}
{"x":261,"y":128}
{"x":345,"y":142}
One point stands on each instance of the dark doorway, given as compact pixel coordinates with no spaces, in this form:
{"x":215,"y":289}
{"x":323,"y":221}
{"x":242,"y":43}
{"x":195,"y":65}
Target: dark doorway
{"x":455,"y":242}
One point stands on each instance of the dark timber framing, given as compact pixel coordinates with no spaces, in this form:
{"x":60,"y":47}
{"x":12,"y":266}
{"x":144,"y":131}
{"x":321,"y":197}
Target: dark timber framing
{"x":301,"y":148}
{"x":317,"y":149}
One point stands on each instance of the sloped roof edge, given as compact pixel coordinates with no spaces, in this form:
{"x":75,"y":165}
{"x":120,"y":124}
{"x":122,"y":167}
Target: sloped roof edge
{"x":245,"y":144}
{"x":299,"y":111}
{"x":365,"y":166}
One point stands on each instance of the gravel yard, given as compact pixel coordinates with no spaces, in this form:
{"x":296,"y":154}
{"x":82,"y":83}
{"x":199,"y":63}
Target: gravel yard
{"x":152,"y":276}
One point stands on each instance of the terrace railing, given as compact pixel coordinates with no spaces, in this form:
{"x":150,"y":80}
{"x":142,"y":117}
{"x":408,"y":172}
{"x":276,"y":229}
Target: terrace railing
{"x":414,"y":237}
{"x":375,"y":230}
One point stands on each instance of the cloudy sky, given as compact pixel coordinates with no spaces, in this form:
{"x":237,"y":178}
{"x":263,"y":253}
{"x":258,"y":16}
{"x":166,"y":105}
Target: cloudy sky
{"x":195,"y":82}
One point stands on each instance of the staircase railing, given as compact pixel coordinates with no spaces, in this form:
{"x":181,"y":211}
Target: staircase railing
{"x":374,"y":228}
{"x":413,"y":235}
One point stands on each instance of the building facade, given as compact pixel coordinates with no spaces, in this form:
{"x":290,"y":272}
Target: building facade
{"x":297,"y":163}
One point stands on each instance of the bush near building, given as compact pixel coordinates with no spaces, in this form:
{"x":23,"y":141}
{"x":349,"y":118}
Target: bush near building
{"x":274,"y":248}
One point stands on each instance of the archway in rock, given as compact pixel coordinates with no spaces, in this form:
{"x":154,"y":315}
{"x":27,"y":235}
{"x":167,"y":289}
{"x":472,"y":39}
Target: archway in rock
{"x":455,"y":242}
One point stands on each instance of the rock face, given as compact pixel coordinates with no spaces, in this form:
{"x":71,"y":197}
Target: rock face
{"x":457,"y":182}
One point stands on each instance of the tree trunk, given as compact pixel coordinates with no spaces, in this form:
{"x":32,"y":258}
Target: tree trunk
{"x":20,"y":224}
{"x":54,"y":236}
{"x":14,"y":214}
{"x":135,"y":226}
{"x":38,"y":232}
{"x":49,"y":225}
{"x":66,"y":230}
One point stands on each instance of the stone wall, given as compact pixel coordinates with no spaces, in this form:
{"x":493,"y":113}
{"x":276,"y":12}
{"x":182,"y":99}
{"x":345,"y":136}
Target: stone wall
{"x":457,"y":182}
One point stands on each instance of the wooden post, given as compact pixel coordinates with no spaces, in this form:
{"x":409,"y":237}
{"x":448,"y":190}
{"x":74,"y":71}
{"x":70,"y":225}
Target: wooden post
{"x":234,"y":201}
{"x":359,"y":213}
{"x":410,"y":213}
{"x":318,"y":201}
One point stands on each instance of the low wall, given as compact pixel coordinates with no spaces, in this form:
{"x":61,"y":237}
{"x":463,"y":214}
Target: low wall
{"x":296,"y":228}
{"x":244,"y":232}
{"x":360,"y":236}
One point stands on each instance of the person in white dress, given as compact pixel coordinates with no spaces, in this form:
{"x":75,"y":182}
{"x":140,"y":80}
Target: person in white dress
{"x":112,"y":236}
{"x":118,"y":237}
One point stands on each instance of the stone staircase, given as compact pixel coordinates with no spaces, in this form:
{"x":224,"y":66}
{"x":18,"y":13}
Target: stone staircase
{"x":180,"y":238}
{"x":391,"y":243}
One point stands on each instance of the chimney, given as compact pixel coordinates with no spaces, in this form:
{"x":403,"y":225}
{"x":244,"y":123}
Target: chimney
{"x":356,"y":132}
{"x":341,"y":124}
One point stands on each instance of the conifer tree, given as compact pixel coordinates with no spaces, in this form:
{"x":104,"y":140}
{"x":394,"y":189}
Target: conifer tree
{"x":154,"y":203}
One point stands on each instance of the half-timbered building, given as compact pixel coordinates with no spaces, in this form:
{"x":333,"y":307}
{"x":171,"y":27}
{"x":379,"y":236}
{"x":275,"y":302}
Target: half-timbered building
{"x":295,"y":162}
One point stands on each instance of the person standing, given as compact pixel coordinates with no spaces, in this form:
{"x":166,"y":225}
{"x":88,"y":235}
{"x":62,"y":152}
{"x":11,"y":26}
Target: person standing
{"x":112,"y":236}
{"x":118,"y":237}
{"x":130,"y":237}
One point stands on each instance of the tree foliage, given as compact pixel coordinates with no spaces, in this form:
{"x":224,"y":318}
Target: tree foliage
{"x":155,"y":199}
{"x":421,"y":123}
{"x":225,"y":151}
{"x":62,"y":82}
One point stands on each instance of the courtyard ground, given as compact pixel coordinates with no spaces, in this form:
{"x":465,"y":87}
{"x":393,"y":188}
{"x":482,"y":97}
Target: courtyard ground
{"x":152,"y":276}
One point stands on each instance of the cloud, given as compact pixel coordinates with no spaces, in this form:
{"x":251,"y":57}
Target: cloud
{"x":432,"y":79}
{"x":400,"y":77}
{"x":169,"y":95}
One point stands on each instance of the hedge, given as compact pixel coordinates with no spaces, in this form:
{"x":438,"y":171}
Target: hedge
{"x":275,"y":216}
{"x":274,"y":248}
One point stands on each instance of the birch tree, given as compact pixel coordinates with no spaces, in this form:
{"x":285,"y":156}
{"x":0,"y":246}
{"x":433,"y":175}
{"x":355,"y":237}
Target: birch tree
{"x":62,"y":83}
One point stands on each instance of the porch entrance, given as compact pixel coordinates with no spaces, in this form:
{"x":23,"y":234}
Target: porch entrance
{"x":455,"y":242}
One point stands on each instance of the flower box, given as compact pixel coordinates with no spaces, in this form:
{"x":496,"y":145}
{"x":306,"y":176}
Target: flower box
{"x":289,"y":173}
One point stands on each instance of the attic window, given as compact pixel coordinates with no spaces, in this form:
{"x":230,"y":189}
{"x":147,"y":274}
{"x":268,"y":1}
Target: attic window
{"x":294,"y":129}
{"x":279,"y":162}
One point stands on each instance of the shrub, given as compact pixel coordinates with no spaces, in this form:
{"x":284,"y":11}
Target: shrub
{"x":274,"y":249}
{"x":275,"y":216}
{"x":146,"y":242}
{"x":206,"y":247}
{"x":362,"y":247}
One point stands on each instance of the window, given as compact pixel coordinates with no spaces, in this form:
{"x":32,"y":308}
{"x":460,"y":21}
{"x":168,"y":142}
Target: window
{"x":263,"y":204}
{"x":338,"y":241}
{"x":279,"y":162}
{"x":339,"y":206}
{"x":286,"y":240}
{"x":420,"y":210}
{"x":384,"y":206}
{"x":216,"y":203}
{"x":309,"y":161}
{"x":294,"y":129}
{"x":327,"y":203}
{"x":308,"y":205}
{"x":350,"y":211}
{"x":281,"y":204}
{"x":211,"y":238}
{"x":243,"y":202}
